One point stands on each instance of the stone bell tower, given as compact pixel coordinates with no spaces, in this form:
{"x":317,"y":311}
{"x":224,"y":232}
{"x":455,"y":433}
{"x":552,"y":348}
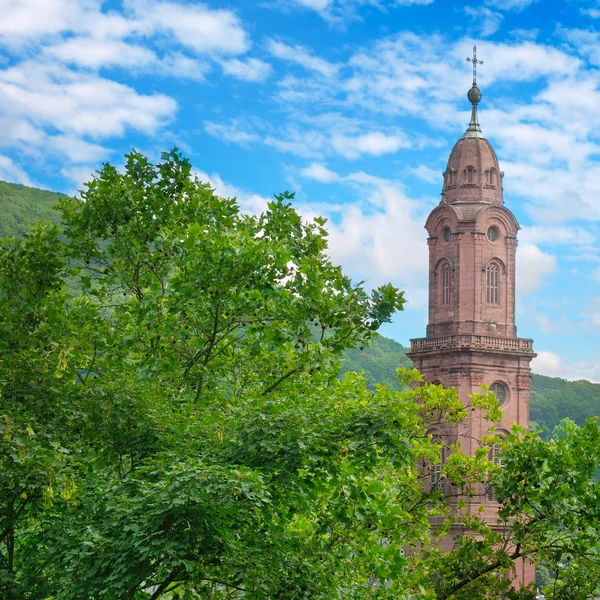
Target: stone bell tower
{"x":471,"y":336}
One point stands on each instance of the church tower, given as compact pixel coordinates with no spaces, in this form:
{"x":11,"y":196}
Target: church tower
{"x":471,"y":336}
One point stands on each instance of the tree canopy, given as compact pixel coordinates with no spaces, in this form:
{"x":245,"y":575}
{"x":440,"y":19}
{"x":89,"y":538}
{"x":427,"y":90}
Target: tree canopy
{"x":177,"y":428}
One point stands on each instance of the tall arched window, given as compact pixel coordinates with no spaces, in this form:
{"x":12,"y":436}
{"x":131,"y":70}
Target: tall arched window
{"x":470,"y":171}
{"x":446,"y":283}
{"x":492,"y":274}
{"x":494,"y":456}
{"x":436,"y":480}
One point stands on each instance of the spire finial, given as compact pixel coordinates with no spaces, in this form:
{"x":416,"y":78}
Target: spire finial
{"x":475,"y":63}
{"x":474,"y":96}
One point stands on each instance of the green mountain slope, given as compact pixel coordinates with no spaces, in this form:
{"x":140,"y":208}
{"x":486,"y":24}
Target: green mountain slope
{"x":553,"y":399}
{"x":21,"y":207}
{"x":379,"y":361}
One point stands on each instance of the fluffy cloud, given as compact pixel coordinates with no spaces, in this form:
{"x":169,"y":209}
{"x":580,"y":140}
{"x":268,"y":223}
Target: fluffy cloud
{"x":248,"y":201}
{"x":510,"y":4}
{"x":427,"y":174}
{"x":340,"y":11}
{"x":551,"y":364}
{"x":79,"y":103}
{"x":251,"y":69}
{"x":488,"y":20}
{"x":194,"y":26}
{"x":533,"y":265}
{"x":303,"y":57}
{"x":319,"y":172}
{"x":373,"y":143}
{"x":27,"y":20}
{"x":233,"y":132}
{"x":11,"y":172}
{"x":96,"y":53}
{"x":557,"y":235}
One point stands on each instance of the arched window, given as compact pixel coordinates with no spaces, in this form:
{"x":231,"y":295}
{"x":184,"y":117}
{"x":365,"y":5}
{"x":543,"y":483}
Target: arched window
{"x":446,"y":283}
{"x":494,"y":456}
{"x":492,"y":176}
{"x":492,"y":275}
{"x":435,"y":479}
{"x":470,"y":173}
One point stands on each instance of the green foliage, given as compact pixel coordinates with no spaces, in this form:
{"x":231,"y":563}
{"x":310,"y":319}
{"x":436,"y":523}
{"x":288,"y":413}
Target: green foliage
{"x":21,"y":207}
{"x":178,"y":429}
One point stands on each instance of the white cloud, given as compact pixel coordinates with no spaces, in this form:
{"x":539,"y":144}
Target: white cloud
{"x":233,"y":132}
{"x":533,"y":266}
{"x":341,"y":11}
{"x":251,"y":69}
{"x":97,"y":53}
{"x":78,"y":150}
{"x":248,"y":201}
{"x":596,"y":274}
{"x":516,"y":5}
{"x":9,"y":171}
{"x":382,"y":238}
{"x":374,"y":143}
{"x":78,"y":175}
{"x":488,"y":20}
{"x":179,"y":66}
{"x":552,"y":365}
{"x":195,"y":26}
{"x":303,"y":57}
{"x":305,"y":143}
{"x":318,"y":5}
{"x":427,"y":174}
{"x":79,"y":103}
{"x":319,"y":172}
{"x":591,"y":12}
{"x":26,"y":20}
{"x":556,"y":235}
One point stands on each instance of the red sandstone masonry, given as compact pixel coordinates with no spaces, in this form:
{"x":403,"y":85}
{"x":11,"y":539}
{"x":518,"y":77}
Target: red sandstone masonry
{"x":469,"y":340}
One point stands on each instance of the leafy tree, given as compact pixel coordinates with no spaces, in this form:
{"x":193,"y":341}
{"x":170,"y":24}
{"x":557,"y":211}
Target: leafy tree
{"x":179,"y":428}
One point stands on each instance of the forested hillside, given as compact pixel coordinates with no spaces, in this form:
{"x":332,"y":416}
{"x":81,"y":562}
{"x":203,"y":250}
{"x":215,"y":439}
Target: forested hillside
{"x":22,"y":206}
{"x":379,"y":361}
{"x":552,"y":399}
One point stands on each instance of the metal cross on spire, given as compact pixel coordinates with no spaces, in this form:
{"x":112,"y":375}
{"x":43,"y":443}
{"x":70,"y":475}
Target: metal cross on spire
{"x":475,"y":63}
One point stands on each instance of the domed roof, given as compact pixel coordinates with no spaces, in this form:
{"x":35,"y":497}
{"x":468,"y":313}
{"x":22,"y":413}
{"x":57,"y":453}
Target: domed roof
{"x":473,"y":175}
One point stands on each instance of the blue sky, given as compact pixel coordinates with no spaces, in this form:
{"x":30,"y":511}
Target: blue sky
{"x":354,"y":105}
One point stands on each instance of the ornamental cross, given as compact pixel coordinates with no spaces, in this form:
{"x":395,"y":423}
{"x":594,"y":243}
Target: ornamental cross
{"x":475,"y":63}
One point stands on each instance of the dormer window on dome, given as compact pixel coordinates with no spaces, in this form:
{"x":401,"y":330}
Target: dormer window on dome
{"x":492,"y":176}
{"x":470,"y":174}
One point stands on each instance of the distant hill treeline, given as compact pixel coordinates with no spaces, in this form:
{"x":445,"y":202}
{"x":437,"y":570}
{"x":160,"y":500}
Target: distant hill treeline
{"x":21,"y":207}
{"x":552,"y":399}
